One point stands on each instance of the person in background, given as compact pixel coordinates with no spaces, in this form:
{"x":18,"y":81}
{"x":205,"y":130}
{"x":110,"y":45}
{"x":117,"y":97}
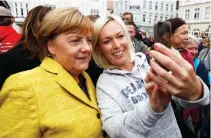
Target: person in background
{"x":8,"y":36}
{"x":202,"y":35}
{"x":56,"y":99}
{"x":199,"y":66}
{"x":25,"y":54}
{"x":196,"y":120}
{"x":179,"y":30}
{"x":200,"y":46}
{"x":128,"y":16}
{"x":204,"y":55}
{"x":152,"y":41}
{"x":145,"y":39}
{"x":138,"y":46}
{"x":134,"y":99}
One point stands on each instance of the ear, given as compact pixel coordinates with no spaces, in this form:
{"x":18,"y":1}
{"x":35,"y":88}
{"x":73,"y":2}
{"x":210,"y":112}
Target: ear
{"x":12,"y":20}
{"x":51,"y":48}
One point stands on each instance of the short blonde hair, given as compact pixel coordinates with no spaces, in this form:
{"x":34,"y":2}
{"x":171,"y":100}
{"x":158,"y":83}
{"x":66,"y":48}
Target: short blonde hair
{"x":100,"y":60}
{"x":58,"y":21}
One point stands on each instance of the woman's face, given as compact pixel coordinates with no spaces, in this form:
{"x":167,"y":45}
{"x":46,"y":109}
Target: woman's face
{"x":206,"y":42}
{"x":180,"y":36}
{"x":72,"y":51}
{"x":113,"y":44}
{"x":193,"y":49}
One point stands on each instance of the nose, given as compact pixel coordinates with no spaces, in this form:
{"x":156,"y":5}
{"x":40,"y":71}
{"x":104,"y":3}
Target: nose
{"x":86,"y":46}
{"x":186,"y":37}
{"x":116,"y":43}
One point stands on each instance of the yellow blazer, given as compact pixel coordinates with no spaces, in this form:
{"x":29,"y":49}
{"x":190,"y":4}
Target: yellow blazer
{"x":47,"y":102}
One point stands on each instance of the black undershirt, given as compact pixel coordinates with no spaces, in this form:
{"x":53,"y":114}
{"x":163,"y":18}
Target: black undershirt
{"x":82,"y":85}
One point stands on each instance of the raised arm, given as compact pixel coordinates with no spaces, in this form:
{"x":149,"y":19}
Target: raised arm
{"x":181,"y":80}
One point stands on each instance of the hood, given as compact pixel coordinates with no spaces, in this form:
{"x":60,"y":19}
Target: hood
{"x":140,"y":62}
{"x":5,"y":31}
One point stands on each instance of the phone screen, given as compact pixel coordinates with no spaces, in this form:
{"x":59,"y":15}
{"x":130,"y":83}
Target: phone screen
{"x":162,"y":33}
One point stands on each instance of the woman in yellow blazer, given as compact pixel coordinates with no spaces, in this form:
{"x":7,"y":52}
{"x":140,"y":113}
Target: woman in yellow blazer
{"x":56,"y":99}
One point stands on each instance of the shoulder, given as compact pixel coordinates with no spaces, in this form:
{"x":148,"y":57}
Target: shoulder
{"x":23,"y":79}
{"x":202,"y":68}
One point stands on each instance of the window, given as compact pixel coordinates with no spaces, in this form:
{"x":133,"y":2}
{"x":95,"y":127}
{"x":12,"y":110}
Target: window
{"x":125,"y":4}
{"x":161,"y":7}
{"x":144,"y":4}
{"x":187,"y":14}
{"x":172,"y":8}
{"x":50,"y":6}
{"x":172,"y":16}
{"x":167,"y":7}
{"x":177,"y":5}
{"x":207,"y":13}
{"x":27,"y":8}
{"x":16,"y":8}
{"x":156,"y":5}
{"x":144,"y":18}
{"x":155,"y":19}
{"x":94,"y":12}
{"x":150,"y":5}
{"x":196,"y":32}
{"x":161,"y":18}
{"x":196,"y":15}
{"x":135,"y":7}
{"x":136,"y":17}
{"x":166,"y":17}
{"x":21,"y":7}
{"x":150,"y":17}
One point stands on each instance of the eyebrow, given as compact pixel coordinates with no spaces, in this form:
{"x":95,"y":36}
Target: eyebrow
{"x":117,"y":34}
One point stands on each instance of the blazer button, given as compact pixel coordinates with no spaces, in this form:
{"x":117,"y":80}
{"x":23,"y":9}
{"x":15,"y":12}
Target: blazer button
{"x":98,"y":115}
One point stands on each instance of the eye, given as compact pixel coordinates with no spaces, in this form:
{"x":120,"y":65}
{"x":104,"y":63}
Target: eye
{"x":120,"y":36}
{"x":75,"y":41}
{"x":89,"y":41}
{"x":106,"y":42}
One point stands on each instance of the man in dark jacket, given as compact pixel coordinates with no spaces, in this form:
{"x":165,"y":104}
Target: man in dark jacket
{"x":8,"y":36}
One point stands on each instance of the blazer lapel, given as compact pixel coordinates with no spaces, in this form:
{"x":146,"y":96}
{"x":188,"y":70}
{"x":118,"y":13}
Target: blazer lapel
{"x":90,"y":87}
{"x":65,"y":80}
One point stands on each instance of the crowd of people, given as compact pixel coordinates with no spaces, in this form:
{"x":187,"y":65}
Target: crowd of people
{"x":71,"y":75}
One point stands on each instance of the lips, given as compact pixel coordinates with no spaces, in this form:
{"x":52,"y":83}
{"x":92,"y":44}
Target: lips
{"x":83,"y":57}
{"x":118,"y":53}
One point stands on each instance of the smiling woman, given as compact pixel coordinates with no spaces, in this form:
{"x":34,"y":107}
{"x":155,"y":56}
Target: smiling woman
{"x":134,"y":99}
{"x":56,"y":99}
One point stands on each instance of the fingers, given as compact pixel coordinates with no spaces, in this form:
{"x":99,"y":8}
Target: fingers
{"x":172,"y":85}
{"x":159,"y":70}
{"x":172,"y":53}
{"x":149,"y":86}
{"x":167,"y":62}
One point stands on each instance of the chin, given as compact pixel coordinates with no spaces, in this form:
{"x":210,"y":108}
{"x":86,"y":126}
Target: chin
{"x":83,"y":68}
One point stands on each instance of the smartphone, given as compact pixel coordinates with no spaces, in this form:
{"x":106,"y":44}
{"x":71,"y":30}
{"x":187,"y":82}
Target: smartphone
{"x":162,"y":34}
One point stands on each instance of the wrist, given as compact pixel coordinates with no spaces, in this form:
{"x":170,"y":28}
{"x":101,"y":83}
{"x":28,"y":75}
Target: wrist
{"x":198,"y":93}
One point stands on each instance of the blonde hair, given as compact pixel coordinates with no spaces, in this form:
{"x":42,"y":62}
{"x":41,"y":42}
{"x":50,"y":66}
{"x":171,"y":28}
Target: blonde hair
{"x":100,"y":60}
{"x":58,"y":21}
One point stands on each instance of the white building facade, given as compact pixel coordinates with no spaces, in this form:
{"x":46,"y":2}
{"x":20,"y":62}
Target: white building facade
{"x":197,"y":15}
{"x":20,"y":8}
{"x":146,"y":12}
